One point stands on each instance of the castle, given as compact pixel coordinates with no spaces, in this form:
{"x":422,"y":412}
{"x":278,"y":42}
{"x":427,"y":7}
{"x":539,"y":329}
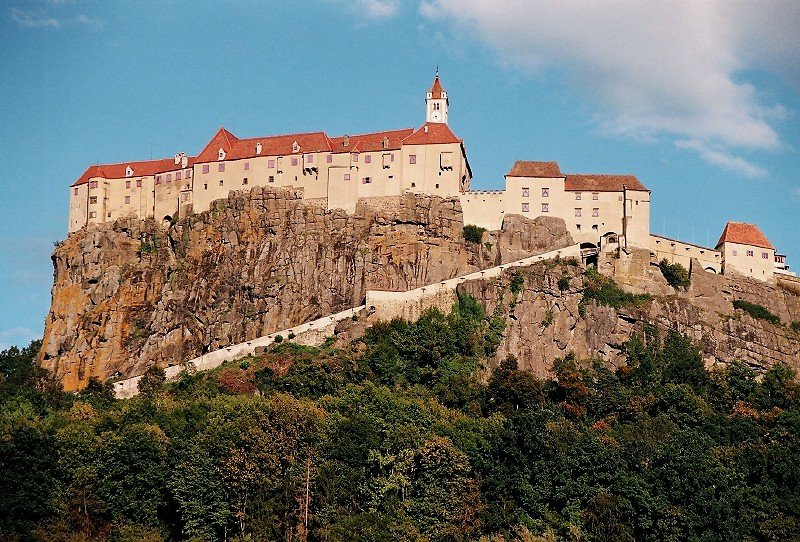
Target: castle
{"x":600,"y":211}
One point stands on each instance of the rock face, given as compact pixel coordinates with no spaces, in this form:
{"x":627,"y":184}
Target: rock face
{"x":544,"y":323}
{"x":136,"y":293}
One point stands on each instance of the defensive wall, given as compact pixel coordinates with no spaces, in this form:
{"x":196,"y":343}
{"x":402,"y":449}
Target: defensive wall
{"x":386,"y":305}
{"x":674,"y":251}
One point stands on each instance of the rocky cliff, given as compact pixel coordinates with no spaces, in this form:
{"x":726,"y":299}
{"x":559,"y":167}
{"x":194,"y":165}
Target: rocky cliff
{"x":135,"y":293}
{"x":544,"y":322}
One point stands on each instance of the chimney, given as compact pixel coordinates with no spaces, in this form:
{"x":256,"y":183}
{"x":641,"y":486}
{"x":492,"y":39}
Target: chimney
{"x":426,"y":128}
{"x":258,"y":148}
{"x":177,"y":158}
{"x":346,"y":141}
{"x":385,"y":142}
{"x":184,"y":161}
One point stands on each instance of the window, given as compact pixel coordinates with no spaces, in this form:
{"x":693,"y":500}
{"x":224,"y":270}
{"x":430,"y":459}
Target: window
{"x":733,"y":253}
{"x":412,"y":158}
{"x":244,"y":181}
{"x":205,"y":186}
{"x":188,"y":173}
{"x":577,"y":196}
{"x":595,"y":212}
{"x":437,"y":185}
{"x":413,"y":185}
{"x":368,"y":159}
{"x":271,"y":178}
{"x":765,"y":256}
{"x":329,"y":159}
{"x":75,"y":191}
{"x":750,"y":253}
{"x":205,"y":168}
{"x":221,"y":167}
{"x":294,"y":161}
{"x":185,"y":196}
{"x":545,"y":192}
{"x":545,"y":207}
{"x":92,"y":184}
{"x":436,"y":106}
{"x":366,"y":180}
{"x":127,"y":184}
{"x":595,"y":196}
{"x":594,"y":227}
{"x":271,"y":164}
{"x":93,"y":214}
{"x":246,"y":166}
{"x":158,"y":179}
{"x":525,"y":207}
{"x":138,"y":183}
{"x":577,"y":212}
{"x":346,"y":176}
{"x":578,"y":227}
{"x":178,"y":176}
{"x":169,"y":177}
{"x":525,"y":192}
{"x":92,"y":199}
{"x":221,"y":182}
{"x":355,"y":158}
{"x":387,"y":160}
{"x":310,"y":158}
{"x":127,"y":200}
{"x":446,"y":160}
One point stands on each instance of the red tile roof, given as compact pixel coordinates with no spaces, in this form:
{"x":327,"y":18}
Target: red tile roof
{"x":140,"y":169}
{"x":371,"y":142}
{"x":436,"y":89}
{"x":744,"y":234}
{"x":224,"y":140}
{"x":602,"y":183}
{"x":524,"y":168}
{"x":432,"y":133}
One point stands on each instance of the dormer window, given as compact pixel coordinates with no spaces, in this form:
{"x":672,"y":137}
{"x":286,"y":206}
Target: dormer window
{"x":346,"y":141}
{"x":221,"y":155}
{"x":295,"y":147}
{"x":258,"y":148}
{"x":128,"y":171}
{"x":385,"y":143}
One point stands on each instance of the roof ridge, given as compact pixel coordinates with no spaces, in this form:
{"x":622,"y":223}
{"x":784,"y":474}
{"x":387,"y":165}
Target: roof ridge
{"x":284,"y":135}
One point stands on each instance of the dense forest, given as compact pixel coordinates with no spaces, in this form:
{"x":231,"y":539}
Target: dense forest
{"x":403,"y":435}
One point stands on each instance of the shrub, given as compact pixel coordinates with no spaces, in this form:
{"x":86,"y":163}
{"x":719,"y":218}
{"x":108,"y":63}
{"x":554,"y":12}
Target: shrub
{"x":796,"y":326}
{"x":605,"y":291}
{"x":563,"y":283}
{"x":677,"y":275}
{"x":278,"y":338}
{"x":517,"y":281}
{"x":473,"y":234}
{"x":757,"y":311}
{"x":291,"y":336}
{"x":488,"y":246}
{"x":244,"y":365}
{"x":573,"y":261}
{"x":548,"y":319}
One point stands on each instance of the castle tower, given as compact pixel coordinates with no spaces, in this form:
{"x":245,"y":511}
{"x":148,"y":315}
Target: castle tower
{"x":436,"y":102}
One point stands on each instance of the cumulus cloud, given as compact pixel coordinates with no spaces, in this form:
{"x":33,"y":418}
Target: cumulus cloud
{"x":654,"y":69}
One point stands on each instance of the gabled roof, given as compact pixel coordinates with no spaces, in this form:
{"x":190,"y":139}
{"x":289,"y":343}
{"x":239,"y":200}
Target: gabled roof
{"x":436,"y":89}
{"x":524,"y":168}
{"x":280,"y":145}
{"x":744,"y":234}
{"x":140,"y":169}
{"x":602,"y":183}
{"x":223,"y":139}
{"x":371,"y":142}
{"x":432,"y":133}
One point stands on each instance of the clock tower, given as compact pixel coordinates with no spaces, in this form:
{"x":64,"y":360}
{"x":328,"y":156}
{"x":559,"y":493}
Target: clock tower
{"x":436,"y":102}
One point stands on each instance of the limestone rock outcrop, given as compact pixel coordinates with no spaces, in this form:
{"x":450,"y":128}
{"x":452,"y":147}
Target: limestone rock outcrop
{"x":135,"y":293}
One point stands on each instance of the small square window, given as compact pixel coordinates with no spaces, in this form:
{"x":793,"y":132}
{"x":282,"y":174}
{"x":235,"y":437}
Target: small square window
{"x":765,"y":256}
{"x":750,"y":253}
{"x":577,"y":196}
{"x":392,"y":157}
{"x":412,"y":158}
{"x":271,"y":178}
{"x":577,"y":212}
{"x":271,"y":164}
{"x":578,"y":227}
{"x":346,"y":176}
{"x":75,"y":191}
{"x":595,"y":196}
{"x":545,"y":192}
{"x":127,"y":200}
{"x":294,"y":161}
{"x":355,"y":158}
{"x":158,"y":179}
{"x":244,"y":181}
{"x":205,"y":168}
{"x":178,"y":176}
{"x":594,"y":227}
{"x":93,"y":214}
{"x":188,"y":173}
{"x":329,"y":159}
{"x":366,"y":180}
{"x":437,"y":185}
{"x":734,"y":253}
{"x":545,"y":207}
{"x":310,"y":159}
{"x":169,"y":177}
{"x":246,"y":166}
{"x":205,"y":186}
{"x":221,"y":182}
{"x":127,"y":184}
{"x":595,"y":212}
{"x":525,"y":192}
{"x":92,"y":184}
{"x":413,"y":185}
{"x":92,"y":199}
{"x":221,"y":167}
{"x":368,"y":159}
{"x":138,"y":183}
{"x":525,"y":207}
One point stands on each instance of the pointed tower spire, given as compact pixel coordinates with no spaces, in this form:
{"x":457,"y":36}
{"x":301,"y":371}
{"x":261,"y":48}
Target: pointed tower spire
{"x":436,"y":102}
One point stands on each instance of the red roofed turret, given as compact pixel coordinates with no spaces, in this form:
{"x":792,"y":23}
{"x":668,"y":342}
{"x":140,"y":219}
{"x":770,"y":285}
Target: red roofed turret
{"x":436,"y":102}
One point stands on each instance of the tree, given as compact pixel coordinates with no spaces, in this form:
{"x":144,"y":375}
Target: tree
{"x":151,"y":381}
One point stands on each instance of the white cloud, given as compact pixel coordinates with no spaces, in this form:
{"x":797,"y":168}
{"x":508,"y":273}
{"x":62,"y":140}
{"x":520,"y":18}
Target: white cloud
{"x":41,"y":19}
{"x":371,"y":9}
{"x":654,"y":69}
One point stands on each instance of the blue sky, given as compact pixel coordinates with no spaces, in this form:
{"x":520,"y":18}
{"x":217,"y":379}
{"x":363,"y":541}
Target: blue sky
{"x":700,"y":100}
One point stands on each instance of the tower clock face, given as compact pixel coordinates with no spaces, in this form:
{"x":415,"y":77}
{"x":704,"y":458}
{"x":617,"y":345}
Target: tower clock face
{"x":436,"y":116}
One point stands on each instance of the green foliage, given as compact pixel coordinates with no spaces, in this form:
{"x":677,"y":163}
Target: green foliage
{"x":548,"y":319}
{"x":278,"y":339}
{"x":517,"y":282}
{"x":563,"y":283}
{"x":605,"y":291}
{"x":151,"y":381}
{"x":796,"y":326}
{"x":488,"y":246}
{"x":473,"y":234}
{"x":677,"y":276}
{"x":757,"y":311}
{"x":290,"y":336}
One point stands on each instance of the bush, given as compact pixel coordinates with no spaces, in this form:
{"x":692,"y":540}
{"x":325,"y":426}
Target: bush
{"x":291,"y":336}
{"x":548,"y":319}
{"x":796,"y":326}
{"x":473,"y":234}
{"x":278,"y":338}
{"x":757,"y":311}
{"x":563,"y":283}
{"x":605,"y":291}
{"x":677,"y":275}
{"x":517,"y":281}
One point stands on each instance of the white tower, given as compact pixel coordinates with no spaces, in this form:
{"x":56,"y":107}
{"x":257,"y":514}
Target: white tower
{"x":436,"y":102}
